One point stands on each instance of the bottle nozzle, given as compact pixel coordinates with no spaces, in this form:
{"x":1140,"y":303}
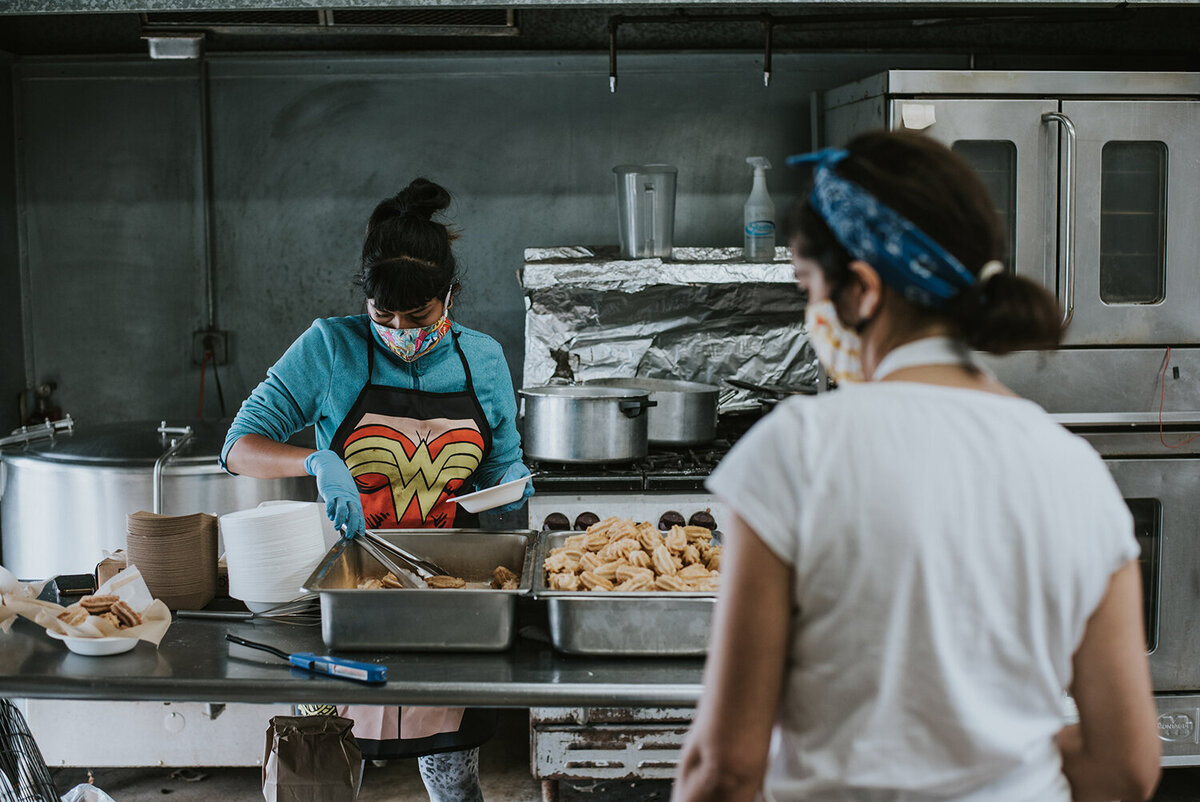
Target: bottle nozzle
{"x":759,"y":163}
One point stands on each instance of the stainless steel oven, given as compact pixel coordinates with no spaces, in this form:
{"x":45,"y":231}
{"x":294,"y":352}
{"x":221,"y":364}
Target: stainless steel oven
{"x":1158,"y":473}
{"x":1095,"y":175}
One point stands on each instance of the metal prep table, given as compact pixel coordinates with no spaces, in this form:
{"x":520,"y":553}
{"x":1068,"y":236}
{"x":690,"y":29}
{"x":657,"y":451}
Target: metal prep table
{"x":572,"y":699}
{"x":193,"y":664}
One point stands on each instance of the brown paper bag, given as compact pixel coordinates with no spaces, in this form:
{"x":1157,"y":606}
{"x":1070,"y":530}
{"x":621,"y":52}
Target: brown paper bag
{"x":311,"y":759}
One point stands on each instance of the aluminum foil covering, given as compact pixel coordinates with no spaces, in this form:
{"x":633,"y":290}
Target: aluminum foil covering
{"x":703,"y":315}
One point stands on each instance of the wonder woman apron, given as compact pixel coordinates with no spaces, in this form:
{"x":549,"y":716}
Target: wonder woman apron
{"x":408,"y":450}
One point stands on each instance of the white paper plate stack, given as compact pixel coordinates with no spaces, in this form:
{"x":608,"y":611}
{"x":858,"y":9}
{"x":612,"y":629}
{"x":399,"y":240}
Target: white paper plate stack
{"x":270,"y":550}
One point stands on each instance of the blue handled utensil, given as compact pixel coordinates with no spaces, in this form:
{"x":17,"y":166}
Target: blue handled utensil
{"x":321,"y":663}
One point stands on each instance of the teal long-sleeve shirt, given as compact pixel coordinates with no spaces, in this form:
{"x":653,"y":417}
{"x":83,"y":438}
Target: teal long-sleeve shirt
{"x":320,"y":375}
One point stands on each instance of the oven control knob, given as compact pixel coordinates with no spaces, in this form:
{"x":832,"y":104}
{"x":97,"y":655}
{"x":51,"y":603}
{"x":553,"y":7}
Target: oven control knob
{"x":670,"y":518}
{"x":556,"y":522}
{"x":703,"y":518}
{"x":585,"y":519}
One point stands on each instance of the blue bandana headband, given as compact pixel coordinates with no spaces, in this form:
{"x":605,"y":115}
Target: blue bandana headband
{"x":907,"y":259}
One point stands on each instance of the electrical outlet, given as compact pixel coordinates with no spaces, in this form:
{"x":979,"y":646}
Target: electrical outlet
{"x":213,"y":340}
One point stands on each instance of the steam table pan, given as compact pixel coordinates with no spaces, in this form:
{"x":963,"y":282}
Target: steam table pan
{"x":640,"y":624}
{"x":424,"y":619}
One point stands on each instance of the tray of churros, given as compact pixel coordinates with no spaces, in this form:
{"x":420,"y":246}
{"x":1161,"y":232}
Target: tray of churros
{"x":626,"y":588}
{"x":470,"y":608}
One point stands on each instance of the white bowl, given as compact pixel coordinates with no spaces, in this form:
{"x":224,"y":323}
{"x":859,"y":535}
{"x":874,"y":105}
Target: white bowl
{"x":95,"y":647}
{"x":492,"y":497}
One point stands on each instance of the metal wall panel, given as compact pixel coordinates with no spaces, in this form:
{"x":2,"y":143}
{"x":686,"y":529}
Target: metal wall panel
{"x":109,"y":154}
{"x":303,"y":146}
{"x":12,"y":354}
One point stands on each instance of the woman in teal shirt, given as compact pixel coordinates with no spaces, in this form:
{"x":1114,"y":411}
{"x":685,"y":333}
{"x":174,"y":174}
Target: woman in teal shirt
{"x":410,"y":410}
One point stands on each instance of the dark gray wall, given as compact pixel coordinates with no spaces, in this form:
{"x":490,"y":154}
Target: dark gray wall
{"x":303,"y":146}
{"x":12,"y":356}
{"x":109,"y":156}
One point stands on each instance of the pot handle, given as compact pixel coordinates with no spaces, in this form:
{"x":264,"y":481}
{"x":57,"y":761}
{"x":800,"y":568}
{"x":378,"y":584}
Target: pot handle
{"x":631,"y":408}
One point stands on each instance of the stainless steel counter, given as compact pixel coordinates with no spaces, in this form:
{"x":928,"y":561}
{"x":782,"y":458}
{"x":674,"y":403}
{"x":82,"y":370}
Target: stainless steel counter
{"x":193,"y":663}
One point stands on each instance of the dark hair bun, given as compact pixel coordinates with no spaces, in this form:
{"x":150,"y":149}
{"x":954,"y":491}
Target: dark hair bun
{"x":1007,"y":313}
{"x":422,"y":198}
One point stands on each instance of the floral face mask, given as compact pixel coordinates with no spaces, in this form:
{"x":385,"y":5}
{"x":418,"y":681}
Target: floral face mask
{"x":411,"y":344}
{"x":838,"y":347}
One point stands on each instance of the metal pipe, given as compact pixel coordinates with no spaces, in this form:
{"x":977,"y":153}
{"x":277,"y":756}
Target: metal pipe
{"x":27,"y":434}
{"x":210,"y":293}
{"x":1068,"y":215}
{"x":612,"y":53}
{"x":769,"y":26}
{"x":185,"y":433}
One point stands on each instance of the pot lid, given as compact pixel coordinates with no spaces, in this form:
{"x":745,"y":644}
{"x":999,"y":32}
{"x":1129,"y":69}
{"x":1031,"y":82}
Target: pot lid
{"x":584,"y":392}
{"x":132,"y":443}
{"x":656,"y":385}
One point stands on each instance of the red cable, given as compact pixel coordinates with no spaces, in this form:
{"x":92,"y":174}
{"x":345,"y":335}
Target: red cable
{"x":1161,"y":397}
{"x":203,"y":364}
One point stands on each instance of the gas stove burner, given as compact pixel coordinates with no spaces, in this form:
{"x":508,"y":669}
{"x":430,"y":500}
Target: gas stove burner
{"x":585,"y":519}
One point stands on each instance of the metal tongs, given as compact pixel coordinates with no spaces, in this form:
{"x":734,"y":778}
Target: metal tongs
{"x":393,"y":553}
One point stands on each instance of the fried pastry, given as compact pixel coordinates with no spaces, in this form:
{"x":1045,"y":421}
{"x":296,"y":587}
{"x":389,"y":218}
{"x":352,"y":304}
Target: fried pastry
{"x":74,"y":615}
{"x":560,"y":561}
{"x":390,"y":580}
{"x":650,"y":538}
{"x":669,"y":583}
{"x":126,"y":615}
{"x":112,"y":619}
{"x":714,"y":559}
{"x":443,"y":581}
{"x":503,"y":578}
{"x":589,"y":562}
{"x":592,"y":582}
{"x":564,"y":582}
{"x":596,"y":541}
{"x":639,"y":559}
{"x":618,"y":554}
{"x":626,"y":572}
{"x":664,"y":564}
{"x":370,"y":584}
{"x":636,"y":583}
{"x":98,"y":604}
{"x":690,"y":573}
{"x":676,"y":540}
{"x":607,"y":570}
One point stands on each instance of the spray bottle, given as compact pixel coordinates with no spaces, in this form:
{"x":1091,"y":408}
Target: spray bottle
{"x":759,"y":216}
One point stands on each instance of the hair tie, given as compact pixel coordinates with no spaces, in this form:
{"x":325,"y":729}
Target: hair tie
{"x":993,"y":268}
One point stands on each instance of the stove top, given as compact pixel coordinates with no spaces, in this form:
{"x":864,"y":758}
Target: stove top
{"x":667,"y":469}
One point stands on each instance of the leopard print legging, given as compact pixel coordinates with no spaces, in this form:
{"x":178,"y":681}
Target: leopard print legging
{"x":452,"y":776}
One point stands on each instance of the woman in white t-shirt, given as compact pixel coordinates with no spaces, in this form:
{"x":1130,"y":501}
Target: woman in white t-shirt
{"x":922,"y":563}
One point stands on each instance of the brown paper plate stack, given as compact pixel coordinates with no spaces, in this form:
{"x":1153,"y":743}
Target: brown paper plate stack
{"x":177,"y":556}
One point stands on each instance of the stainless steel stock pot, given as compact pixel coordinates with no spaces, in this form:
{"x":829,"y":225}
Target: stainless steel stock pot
{"x":685,"y":413}
{"x":64,"y":499}
{"x":583,"y":423}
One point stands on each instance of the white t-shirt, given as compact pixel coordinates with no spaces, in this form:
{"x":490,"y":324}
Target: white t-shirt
{"x":949,"y":546}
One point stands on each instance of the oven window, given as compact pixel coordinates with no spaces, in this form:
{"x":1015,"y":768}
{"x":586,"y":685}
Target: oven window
{"x":1133,"y":230}
{"x":1147,"y":527}
{"x":996,"y":163}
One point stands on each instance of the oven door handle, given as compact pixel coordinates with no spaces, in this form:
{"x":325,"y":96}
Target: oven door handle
{"x":1067,"y":216}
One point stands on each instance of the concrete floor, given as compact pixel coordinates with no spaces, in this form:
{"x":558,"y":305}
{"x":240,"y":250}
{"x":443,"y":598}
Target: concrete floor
{"x":504,"y":771}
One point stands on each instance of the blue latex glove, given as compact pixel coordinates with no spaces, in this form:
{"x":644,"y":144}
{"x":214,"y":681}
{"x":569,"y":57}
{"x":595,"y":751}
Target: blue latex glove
{"x":337,"y":487}
{"x":514,"y":472}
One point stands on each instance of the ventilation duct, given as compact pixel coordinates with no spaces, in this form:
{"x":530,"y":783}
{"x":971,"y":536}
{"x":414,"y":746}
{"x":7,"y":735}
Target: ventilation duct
{"x":376,"y":22}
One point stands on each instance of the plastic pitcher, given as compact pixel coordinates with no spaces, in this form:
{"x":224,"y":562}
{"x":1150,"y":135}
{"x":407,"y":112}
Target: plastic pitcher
{"x":645,"y":209}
